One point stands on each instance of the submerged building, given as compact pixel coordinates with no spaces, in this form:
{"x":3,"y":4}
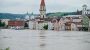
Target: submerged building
{"x":69,"y":22}
{"x":64,"y":23}
{"x":16,"y":24}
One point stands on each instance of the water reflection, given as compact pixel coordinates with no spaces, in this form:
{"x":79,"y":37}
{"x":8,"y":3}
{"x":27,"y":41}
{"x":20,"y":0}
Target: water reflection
{"x":42,"y":40}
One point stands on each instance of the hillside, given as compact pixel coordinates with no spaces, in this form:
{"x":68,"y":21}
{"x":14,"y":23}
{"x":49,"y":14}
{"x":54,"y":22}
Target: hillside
{"x":60,"y":14}
{"x":14,"y":16}
{"x":11,"y":16}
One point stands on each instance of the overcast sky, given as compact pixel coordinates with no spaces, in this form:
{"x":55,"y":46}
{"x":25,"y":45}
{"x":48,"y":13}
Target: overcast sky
{"x":22,"y":6}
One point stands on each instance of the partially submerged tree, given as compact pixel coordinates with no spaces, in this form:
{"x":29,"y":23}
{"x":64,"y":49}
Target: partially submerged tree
{"x":85,"y":23}
{"x":45,"y":27}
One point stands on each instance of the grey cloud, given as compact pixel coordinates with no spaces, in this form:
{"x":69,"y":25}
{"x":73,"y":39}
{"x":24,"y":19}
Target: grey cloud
{"x":33,"y":5}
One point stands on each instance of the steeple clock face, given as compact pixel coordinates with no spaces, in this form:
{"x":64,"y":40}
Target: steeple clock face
{"x":43,"y":8}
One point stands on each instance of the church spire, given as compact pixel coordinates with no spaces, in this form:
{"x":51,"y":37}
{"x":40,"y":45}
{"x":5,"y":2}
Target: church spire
{"x":42,"y":9}
{"x":42,"y":3}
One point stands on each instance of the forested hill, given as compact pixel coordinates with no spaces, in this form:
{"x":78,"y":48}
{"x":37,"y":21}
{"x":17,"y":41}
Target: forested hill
{"x":14,"y":16}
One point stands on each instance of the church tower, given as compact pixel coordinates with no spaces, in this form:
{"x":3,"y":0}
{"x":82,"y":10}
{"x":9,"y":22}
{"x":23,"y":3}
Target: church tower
{"x":84,"y":10}
{"x":42,"y":9}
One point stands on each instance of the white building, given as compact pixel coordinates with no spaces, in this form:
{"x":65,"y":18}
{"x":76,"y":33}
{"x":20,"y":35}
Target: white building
{"x":50,"y":25}
{"x":62,"y":25}
{"x":74,"y":27}
{"x":31,"y":25}
{"x":41,"y":24}
{"x":85,"y":11}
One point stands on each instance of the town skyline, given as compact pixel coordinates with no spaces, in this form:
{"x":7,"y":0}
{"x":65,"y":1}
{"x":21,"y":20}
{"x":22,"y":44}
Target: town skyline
{"x":22,"y":6}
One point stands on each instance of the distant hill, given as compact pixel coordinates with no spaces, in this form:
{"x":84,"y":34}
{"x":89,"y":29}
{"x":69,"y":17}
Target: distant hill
{"x":14,"y":16}
{"x":60,"y":14}
{"x":11,"y":16}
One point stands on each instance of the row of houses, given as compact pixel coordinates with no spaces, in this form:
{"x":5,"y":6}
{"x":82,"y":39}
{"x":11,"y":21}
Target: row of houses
{"x":70,"y":22}
{"x":65,"y":23}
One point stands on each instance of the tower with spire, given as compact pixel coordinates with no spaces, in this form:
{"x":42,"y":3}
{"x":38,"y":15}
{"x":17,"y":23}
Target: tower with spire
{"x":84,"y":11}
{"x":42,"y":9}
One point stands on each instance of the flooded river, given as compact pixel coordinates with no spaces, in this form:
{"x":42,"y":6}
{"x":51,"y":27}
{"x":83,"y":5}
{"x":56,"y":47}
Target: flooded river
{"x":44,"y":40}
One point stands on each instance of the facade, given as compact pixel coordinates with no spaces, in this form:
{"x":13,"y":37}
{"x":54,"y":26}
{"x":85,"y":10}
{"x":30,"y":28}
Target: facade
{"x":50,"y":26}
{"x":58,"y":24}
{"x":61,"y":24}
{"x":16,"y":24}
{"x":55,"y":24}
{"x":29,"y":21}
{"x":32,"y":24}
{"x":73,"y":22}
{"x":68,"y":22}
{"x":41,"y":24}
{"x":74,"y":27}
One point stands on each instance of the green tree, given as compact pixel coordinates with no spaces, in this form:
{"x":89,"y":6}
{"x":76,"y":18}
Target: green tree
{"x":85,"y":23}
{"x":45,"y":27}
